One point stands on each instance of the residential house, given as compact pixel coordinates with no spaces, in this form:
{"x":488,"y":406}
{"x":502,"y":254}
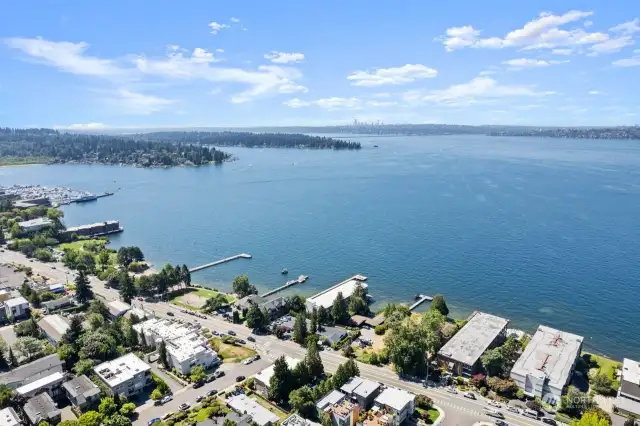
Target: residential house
{"x":41,"y":408}
{"x":8,"y":417}
{"x":344,"y":413}
{"x":362,"y":391}
{"x":242,"y":404}
{"x":51,"y":384}
{"x":127,"y":375}
{"x":397,"y":403}
{"x":17,"y":307}
{"x":238,"y":419}
{"x":329,"y":400}
{"x":53,"y":327}
{"x":55,"y":304}
{"x":31,"y":372}
{"x":296,"y":420}
{"x":628,"y":400}
{"x":117,"y":308}
{"x":82,"y":392}
{"x":263,"y":378}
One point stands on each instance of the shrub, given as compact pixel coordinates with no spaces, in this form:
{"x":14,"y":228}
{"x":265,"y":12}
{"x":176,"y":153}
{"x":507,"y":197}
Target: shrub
{"x":520,"y":394}
{"x":483,"y":391}
{"x":250,"y":383}
{"x":424,"y":402}
{"x":381,"y":329}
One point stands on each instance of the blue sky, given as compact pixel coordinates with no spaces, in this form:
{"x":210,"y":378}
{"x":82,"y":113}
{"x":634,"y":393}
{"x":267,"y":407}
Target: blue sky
{"x":96,"y":64}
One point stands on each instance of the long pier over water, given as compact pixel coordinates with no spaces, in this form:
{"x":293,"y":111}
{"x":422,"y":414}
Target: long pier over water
{"x":219,"y":262}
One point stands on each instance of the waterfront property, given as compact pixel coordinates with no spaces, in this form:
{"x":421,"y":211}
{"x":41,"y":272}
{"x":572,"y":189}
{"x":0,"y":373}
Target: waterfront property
{"x":242,"y":404}
{"x":41,"y":408}
{"x":326,"y":297}
{"x":462,"y":352}
{"x":8,"y":417}
{"x":32,"y":371}
{"x":362,"y":391}
{"x":186,"y":348}
{"x":263,"y":378}
{"x":51,"y":384}
{"x":546,"y":365}
{"x":35,"y":225}
{"x":628,"y":400}
{"x":274,"y":307}
{"x":82,"y":392}
{"x":126,"y":375}
{"x":53,"y":327}
{"x":396,"y":403}
{"x":93,"y":230}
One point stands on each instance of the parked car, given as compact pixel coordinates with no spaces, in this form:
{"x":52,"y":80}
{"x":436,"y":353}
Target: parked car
{"x":209,"y":378}
{"x":140,"y":299}
{"x":501,"y":423}
{"x":152,"y":421}
{"x":247,"y":361}
{"x":215,"y":333}
{"x":549,"y":421}
{"x":166,"y":399}
{"x":212,"y":392}
{"x":199,"y":398}
{"x":257,"y":357}
{"x":165,"y":416}
{"x":241,"y":341}
{"x":251,"y":339}
{"x":184,"y":406}
{"x":171,"y":314}
{"x":231,"y":333}
{"x":218,"y":373}
{"x":198,"y":384}
{"x":513,"y":409}
{"x":240,"y":378}
{"x":469,"y":395}
{"x":494,"y":403}
{"x":451,"y":389}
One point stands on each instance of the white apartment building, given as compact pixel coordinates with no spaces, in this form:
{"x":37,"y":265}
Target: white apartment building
{"x":397,"y":403}
{"x":16,"y":307}
{"x":126,"y":375}
{"x":545,"y":367}
{"x":35,"y":225}
{"x":186,"y":347}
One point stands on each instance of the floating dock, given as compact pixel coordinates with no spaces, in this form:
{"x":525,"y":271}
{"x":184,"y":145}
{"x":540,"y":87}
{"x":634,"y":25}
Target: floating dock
{"x":421,"y":299}
{"x":300,"y":280}
{"x":220,"y":262}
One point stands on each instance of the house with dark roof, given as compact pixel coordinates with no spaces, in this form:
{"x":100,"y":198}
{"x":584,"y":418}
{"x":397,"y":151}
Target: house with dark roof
{"x":238,"y":419}
{"x":82,"y":392}
{"x":29,"y":373}
{"x":41,"y":408}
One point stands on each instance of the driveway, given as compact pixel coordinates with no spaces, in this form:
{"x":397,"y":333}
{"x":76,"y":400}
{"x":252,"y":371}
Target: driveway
{"x":170,"y":381}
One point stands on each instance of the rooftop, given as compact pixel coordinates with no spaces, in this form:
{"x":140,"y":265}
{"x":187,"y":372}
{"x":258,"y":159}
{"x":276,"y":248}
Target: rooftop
{"x":361,"y":387}
{"x":243,"y":404}
{"x":468,"y":344}
{"x":40,"y":383}
{"x":40,"y":407}
{"x":33,"y":371}
{"x":8,"y":417}
{"x":121,"y":369}
{"x":550,"y":354}
{"x":92,"y":225}
{"x":296,"y":420}
{"x":265,"y":375}
{"x":54,"y":326}
{"x":395,"y":398}
{"x":56,"y":303}
{"x":16,"y":301}
{"x":40,"y":221}
{"x":326,"y":297}
{"x":247,"y":300}
{"x":186,"y":347}
{"x":630,"y":383}
{"x":81,"y":388}
{"x":330,"y":399}
{"x":117,"y":307}
{"x":343,"y":408}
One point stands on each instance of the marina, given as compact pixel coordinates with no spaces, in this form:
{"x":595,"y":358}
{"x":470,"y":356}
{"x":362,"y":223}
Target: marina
{"x":57,"y":195}
{"x":301,"y":279}
{"x":220,"y":262}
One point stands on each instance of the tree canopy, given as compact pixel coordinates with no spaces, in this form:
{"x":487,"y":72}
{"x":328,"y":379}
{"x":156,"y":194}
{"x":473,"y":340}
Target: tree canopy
{"x":242,"y":287}
{"x":440,"y":305}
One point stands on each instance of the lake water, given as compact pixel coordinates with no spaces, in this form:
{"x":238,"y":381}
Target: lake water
{"x":540,"y":231}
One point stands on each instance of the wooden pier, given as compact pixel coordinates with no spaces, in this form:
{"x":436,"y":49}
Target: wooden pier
{"x":421,"y":300}
{"x":300,"y":280}
{"x":221,"y":261}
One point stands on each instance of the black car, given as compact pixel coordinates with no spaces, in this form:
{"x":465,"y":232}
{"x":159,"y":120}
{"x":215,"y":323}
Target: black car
{"x":170,"y":314}
{"x":549,"y":421}
{"x":231,"y":333}
{"x":199,"y":384}
{"x":209,"y":379}
{"x":240,"y":378}
{"x":251,"y":339}
{"x":257,"y":357}
{"x":212,"y":392}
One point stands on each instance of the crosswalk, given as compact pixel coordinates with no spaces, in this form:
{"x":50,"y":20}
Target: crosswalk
{"x":442,"y":404}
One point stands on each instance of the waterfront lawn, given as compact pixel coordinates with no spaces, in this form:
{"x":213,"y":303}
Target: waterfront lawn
{"x":605,"y":365}
{"x":23,"y":161}
{"x":269,"y":406}
{"x":80,"y":244}
{"x":193,"y":298}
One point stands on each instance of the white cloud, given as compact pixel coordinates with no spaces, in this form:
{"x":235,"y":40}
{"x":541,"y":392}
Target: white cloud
{"x":202,"y":56}
{"x":587,"y":24}
{"x":629,"y":27}
{"x":284,"y":57}
{"x":381,"y":95}
{"x":629,"y":62}
{"x":541,"y":33}
{"x":84,"y":126}
{"x":137,"y":103}
{"x":380,"y":104}
{"x":528,"y":107}
{"x":563,"y":52}
{"x":524,"y":63}
{"x":487,"y":72}
{"x":216,"y":27}
{"x":611,"y":46}
{"x":595,"y":92}
{"x":480,"y":89}
{"x":220,"y":50}
{"x":326,"y":103}
{"x":400,"y":75}
{"x":235,"y":20}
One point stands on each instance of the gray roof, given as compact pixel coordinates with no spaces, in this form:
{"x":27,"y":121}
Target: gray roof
{"x":330,"y":399}
{"x":296,"y":420}
{"x":468,"y":344}
{"x":81,"y":388}
{"x":333,"y":334}
{"x":273,"y":304}
{"x":8,"y":417}
{"x":40,"y":407}
{"x":57,"y":303}
{"x":248,"y":300}
{"x":259,"y":414}
{"x":238,"y":419}
{"x":54,"y":326}
{"x":31,"y":372}
{"x":360,"y":387}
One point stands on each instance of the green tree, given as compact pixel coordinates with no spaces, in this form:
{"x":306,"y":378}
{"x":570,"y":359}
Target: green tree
{"x":313,"y":360}
{"x":323,"y":315}
{"x":575,"y":403}
{"x":104,"y":258}
{"x":440,"y":305}
{"x":407,"y":346}
{"x":128,"y":409}
{"x":229,"y":422}
{"x":339,"y":310}
{"x":591,"y":419}
{"x":98,"y":345}
{"x":162,"y":354}
{"x":358,"y":304}
{"x":351,"y":368}
{"x":96,"y":321}
{"x":156,"y":395}
{"x":197,"y":374}
{"x":235,"y":317}
{"x":83,"y":366}
{"x":602,"y":384}
{"x":68,"y":423}
{"x":186,"y":275}
{"x":326,"y":420}
{"x":6,"y":396}
{"x":75,"y":330}
{"x":12,"y":358}
{"x":216,"y":302}
{"x":348,"y":351}
{"x":30,"y":347}
{"x":97,"y":306}
{"x":511,"y":349}
{"x":630,"y":422}
{"x":127,"y":288}
{"x":84,"y":293}
{"x":44,"y":423}
{"x":255,"y":317}
{"x":242,"y":287}
{"x":90,"y":418}
{"x":301,"y":400}
{"x":107,"y":407}
{"x":296,"y":304}
{"x":493,"y":361}
{"x":300,"y":329}
{"x":281,"y":382}
{"x":313,"y":321}
{"x":340,"y":377}
{"x":301,"y":374}
{"x":117,"y":420}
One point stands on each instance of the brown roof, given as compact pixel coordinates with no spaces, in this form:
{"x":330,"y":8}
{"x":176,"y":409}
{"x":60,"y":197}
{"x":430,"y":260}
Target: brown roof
{"x":376,"y":321}
{"x":358,"y":320}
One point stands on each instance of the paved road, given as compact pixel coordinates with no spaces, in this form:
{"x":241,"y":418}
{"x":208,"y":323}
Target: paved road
{"x":458,"y":410}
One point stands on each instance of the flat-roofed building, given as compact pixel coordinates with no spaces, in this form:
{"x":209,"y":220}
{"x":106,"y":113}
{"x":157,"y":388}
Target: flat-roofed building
{"x":325,"y":298}
{"x":117,"y":308}
{"x":329,"y":400}
{"x":32,"y":371}
{"x":16,"y":307}
{"x":41,"y":408}
{"x":52,"y":384}
{"x":344,"y":413}
{"x":463,"y":351}
{"x":547,"y":363}
{"x":242,"y":404}
{"x":8,"y":417}
{"x":93,"y":229}
{"x":628,"y":400}
{"x":396,"y":403}
{"x":296,"y":420}
{"x":263,"y":378}
{"x":35,"y":225}
{"x":126,"y":375}
{"x":363,"y":391}
{"x":82,"y":392}
{"x":53,"y":327}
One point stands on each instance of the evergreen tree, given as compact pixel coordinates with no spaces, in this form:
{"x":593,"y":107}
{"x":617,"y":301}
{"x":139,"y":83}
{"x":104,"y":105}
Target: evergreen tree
{"x":313,"y":321}
{"x":313,"y":360}
{"x":127,"y":288}
{"x":301,"y":374}
{"x":83,"y":289}
{"x":162,"y":354}
{"x":186,"y":275}
{"x":351,"y":368}
{"x":281,"y":382}
{"x":340,"y":377}
{"x":339,"y":310}
{"x":326,"y":420}
{"x":440,"y":305}
{"x":35,"y":300}
{"x":300,"y":329}
{"x":255,"y":317}
{"x":12,"y":358}
{"x":323,"y":315}
{"x":75,"y":330}
{"x":358,"y":304}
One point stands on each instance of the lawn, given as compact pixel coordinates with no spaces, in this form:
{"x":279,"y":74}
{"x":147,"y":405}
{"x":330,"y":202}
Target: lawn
{"x":194,"y":298}
{"x":605,"y":365}
{"x":431,"y":412}
{"x":79,"y":245}
{"x":269,"y":406}
{"x":232,"y":353}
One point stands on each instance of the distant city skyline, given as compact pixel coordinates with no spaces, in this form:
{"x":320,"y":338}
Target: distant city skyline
{"x":89,"y":66}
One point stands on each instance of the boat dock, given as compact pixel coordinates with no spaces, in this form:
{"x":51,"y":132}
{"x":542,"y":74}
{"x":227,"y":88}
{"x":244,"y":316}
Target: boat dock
{"x":300,"y":280}
{"x":421,"y":299}
{"x":221,"y":261}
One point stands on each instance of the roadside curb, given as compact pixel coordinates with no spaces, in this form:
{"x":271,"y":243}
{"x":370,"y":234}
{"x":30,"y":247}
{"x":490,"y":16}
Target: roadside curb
{"x":441,"y":417}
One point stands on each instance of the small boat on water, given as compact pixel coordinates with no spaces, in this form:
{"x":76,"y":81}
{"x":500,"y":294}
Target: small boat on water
{"x":302,"y":278}
{"x":284,"y":271}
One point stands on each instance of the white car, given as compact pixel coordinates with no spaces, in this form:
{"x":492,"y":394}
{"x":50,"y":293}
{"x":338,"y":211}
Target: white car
{"x":451,"y":389}
{"x":247,"y":361}
{"x":513,"y":409}
{"x":494,"y":404}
